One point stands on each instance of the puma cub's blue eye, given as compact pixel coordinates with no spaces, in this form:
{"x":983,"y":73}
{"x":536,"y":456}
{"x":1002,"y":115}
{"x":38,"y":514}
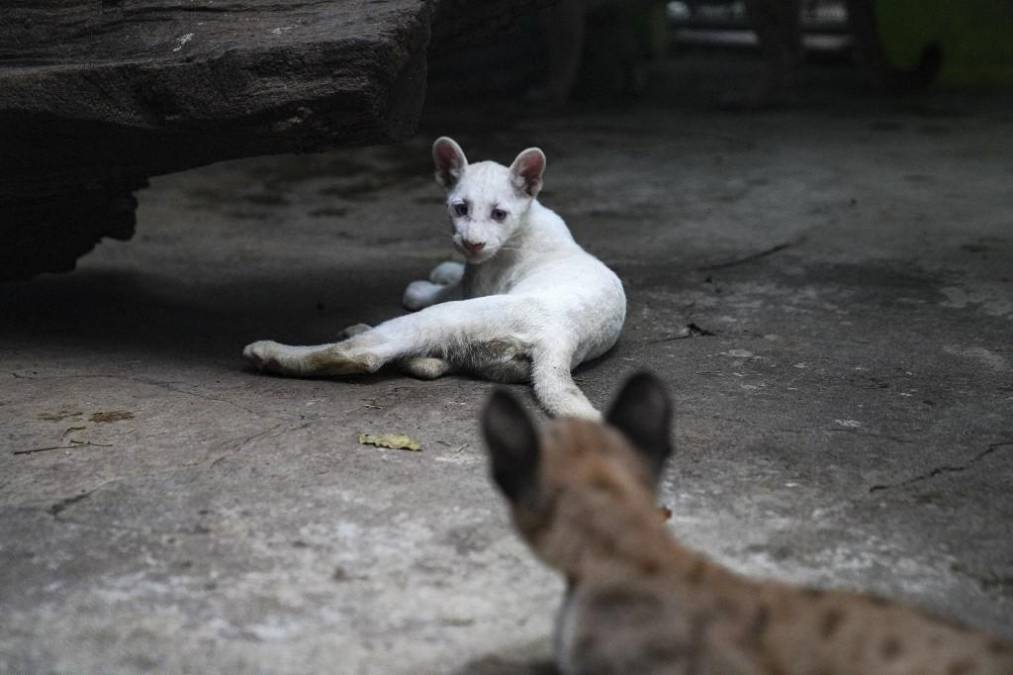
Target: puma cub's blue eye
{"x":499,"y":215}
{"x":461,"y":209}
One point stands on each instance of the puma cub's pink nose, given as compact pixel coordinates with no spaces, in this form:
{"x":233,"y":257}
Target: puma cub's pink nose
{"x":472,"y":246}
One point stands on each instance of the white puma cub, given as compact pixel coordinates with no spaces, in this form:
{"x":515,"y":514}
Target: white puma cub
{"x":535,"y":303}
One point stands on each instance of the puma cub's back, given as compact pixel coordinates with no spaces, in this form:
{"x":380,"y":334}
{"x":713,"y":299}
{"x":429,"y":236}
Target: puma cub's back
{"x":582,"y":495}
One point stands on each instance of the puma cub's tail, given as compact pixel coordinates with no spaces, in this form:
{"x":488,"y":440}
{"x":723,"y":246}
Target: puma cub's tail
{"x":555,"y":389}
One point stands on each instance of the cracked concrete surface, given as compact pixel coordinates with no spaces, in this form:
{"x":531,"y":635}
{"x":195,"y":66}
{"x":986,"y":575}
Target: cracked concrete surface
{"x":828,"y":292}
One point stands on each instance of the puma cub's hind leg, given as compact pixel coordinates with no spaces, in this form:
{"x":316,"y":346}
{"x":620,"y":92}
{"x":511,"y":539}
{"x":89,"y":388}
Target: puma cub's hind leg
{"x":422,"y":367}
{"x":331,"y":360}
{"x":319,"y":360}
{"x":506,"y":360}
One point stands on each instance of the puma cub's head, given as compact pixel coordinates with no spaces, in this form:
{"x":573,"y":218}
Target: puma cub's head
{"x":575,"y":468}
{"x":487,"y":201}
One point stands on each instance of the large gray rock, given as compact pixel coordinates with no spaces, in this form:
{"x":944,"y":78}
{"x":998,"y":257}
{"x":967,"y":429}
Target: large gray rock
{"x":95,"y":97}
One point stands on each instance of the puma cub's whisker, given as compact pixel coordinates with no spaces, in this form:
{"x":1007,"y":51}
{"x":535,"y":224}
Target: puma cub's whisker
{"x":582,"y":496}
{"x":529,"y":304}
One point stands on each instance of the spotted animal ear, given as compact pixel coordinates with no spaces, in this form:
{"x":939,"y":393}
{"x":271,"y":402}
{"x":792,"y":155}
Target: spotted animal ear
{"x":449,"y":160}
{"x":642,"y":411}
{"x":526,"y":171}
{"x":512,"y":441}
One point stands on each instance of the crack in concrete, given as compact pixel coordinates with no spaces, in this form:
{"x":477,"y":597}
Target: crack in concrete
{"x":754,"y":256}
{"x":244,"y":442}
{"x":168,"y":386}
{"x":871,"y":434}
{"x":73,"y":446}
{"x":690,"y":330}
{"x":62,"y":505}
{"x":57,"y":508}
{"x":944,"y":469}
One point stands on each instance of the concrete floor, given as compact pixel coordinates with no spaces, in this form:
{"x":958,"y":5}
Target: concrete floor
{"x":846,"y":421}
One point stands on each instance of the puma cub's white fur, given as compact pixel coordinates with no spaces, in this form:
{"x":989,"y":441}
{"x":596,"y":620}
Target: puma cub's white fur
{"x":529,"y":305}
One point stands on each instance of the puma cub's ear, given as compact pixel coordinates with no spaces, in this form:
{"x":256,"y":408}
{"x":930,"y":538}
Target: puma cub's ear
{"x":449,"y":160}
{"x":643,"y":412}
{"x":513,"y":444}
{"x":526,"y":171}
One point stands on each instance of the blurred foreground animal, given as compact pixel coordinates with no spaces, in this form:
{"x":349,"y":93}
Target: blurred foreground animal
{"x":582,"y":495}
{"x":535,"y":303}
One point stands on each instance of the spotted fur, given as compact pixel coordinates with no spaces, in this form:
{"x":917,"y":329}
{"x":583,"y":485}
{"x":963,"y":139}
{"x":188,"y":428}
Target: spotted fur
{"x":582,"y":495}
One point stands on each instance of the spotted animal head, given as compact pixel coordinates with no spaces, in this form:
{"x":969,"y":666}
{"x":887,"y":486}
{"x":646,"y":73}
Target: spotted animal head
{"x":605,"y":466}
{"x":486,"y":201}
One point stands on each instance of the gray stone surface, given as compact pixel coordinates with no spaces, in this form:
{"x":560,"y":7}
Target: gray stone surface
{"x":848,"y":422}
{"x":95,"y":97}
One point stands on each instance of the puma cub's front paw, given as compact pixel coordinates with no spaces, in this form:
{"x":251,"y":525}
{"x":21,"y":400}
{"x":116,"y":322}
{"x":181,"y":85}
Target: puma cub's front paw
{"x":447,"y":273}
{"x":420,"y":294}
{"x":262,"y":354}
{"x":353,"y":330}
